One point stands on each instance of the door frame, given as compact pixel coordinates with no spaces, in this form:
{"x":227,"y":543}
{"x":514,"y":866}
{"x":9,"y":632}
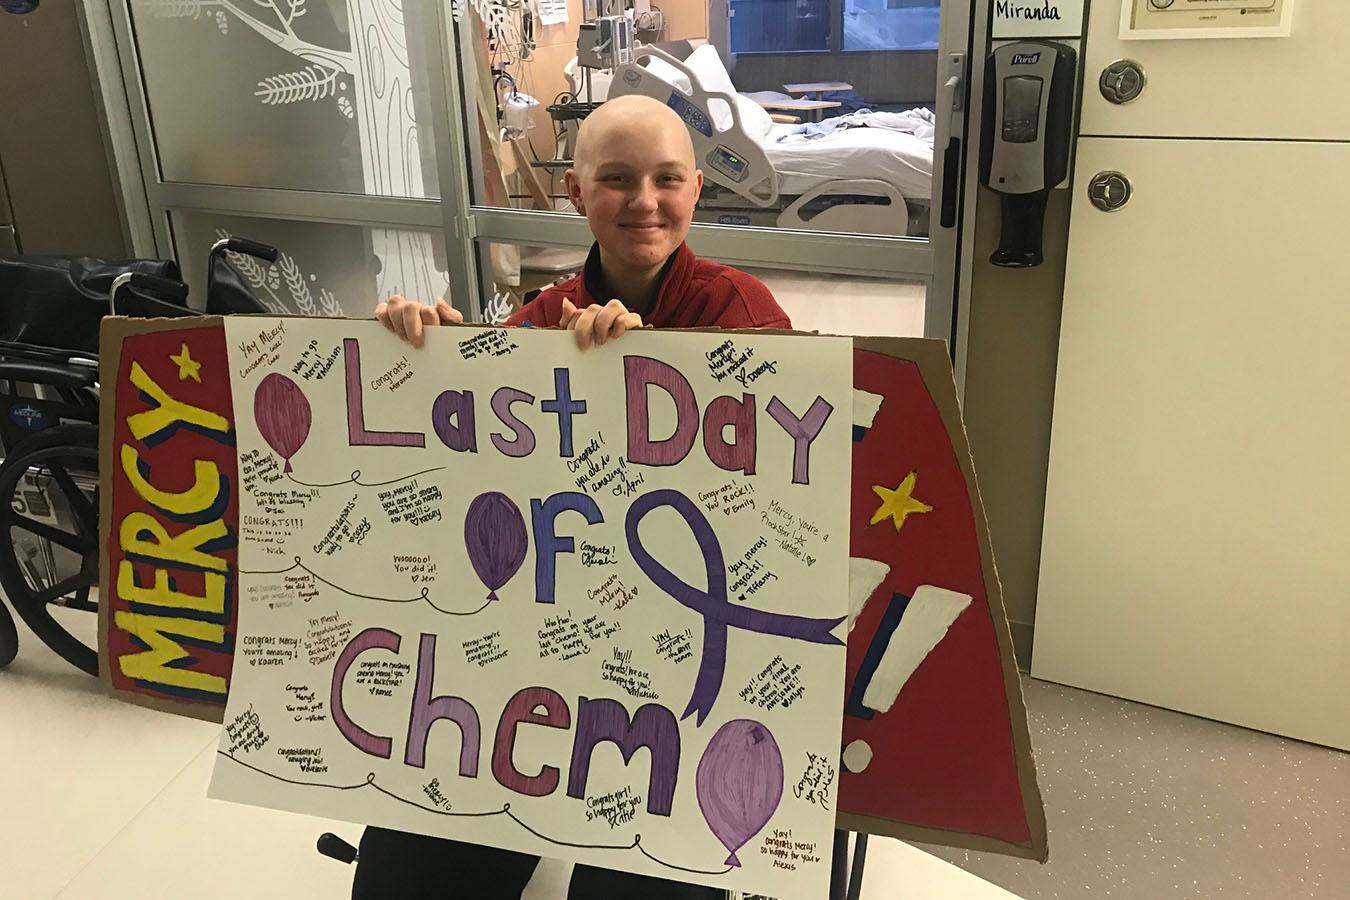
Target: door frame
{"x":938,"y":261}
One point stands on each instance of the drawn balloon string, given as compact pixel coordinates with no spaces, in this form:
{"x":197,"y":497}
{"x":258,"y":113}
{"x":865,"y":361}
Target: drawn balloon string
{"x":505,"y":811}
{"x":355,"y":478}
{"x":423,"y":595}
{"x":495,"y":539}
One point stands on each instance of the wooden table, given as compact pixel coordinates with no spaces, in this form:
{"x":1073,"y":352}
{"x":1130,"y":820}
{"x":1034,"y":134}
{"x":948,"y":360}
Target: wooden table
{"x":809,"y":108}
{"x":817,"y":87}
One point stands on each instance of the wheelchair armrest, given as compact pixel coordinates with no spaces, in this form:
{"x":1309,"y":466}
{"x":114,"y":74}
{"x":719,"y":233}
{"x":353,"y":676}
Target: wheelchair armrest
{"x":32,"y":371}
{"x":37,"y":352}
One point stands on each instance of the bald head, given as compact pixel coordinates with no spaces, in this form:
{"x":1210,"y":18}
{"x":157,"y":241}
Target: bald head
{"x":623,"y":121}
{"x":635,"y":179}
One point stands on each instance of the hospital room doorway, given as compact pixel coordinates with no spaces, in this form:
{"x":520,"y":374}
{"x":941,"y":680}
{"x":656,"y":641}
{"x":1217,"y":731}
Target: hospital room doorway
{"x":419,"y":148}
{"x":831,"y":135}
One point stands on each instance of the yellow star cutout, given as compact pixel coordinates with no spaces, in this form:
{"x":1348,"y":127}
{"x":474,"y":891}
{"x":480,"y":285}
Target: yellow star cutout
{"x":187,"y":366}
{"x":899,"y":503}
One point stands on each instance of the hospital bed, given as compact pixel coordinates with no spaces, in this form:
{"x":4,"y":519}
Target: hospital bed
{"x":862,"y":180}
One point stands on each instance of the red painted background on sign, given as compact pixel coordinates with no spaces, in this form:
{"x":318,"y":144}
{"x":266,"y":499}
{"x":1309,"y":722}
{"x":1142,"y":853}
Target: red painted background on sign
{"x":171,"y":464}
{"x":943,"y":754}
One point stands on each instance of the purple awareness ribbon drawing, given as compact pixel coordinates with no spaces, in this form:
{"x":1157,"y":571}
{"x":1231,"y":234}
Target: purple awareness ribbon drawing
{"x":713,"y":605}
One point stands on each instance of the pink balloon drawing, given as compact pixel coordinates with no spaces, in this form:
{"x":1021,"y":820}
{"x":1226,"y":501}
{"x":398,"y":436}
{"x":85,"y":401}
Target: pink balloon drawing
{"x":494,"y":535}
{"x":739,"y":782}
{"x":282,"y":414}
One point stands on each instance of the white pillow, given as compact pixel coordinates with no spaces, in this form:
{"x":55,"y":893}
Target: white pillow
{"x":668,"y":73}
{"x":712,"y":75}
{"x":754,"y":117}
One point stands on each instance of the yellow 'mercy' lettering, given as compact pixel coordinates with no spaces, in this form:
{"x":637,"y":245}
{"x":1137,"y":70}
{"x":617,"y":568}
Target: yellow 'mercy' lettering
{"x":200,"y":497}
{"x":160,"y":594}
{"x":154,"y":664}
{"x":167,"y":411}
{"x":143,"y":535}
{"x":184,"y":548}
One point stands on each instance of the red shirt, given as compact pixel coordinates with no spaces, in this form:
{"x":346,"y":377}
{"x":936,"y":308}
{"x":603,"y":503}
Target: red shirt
{"x":695,"y":293}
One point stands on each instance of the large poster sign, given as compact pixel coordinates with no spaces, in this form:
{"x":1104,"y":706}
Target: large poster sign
{"x":584,"y":605}
{"x":934,"y":745}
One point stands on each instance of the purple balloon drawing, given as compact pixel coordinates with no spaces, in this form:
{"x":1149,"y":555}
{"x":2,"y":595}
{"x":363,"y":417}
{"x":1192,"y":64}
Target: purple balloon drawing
{"x":494,"y":535}
{"x":283,"y":415}
{"x":739,"y":782}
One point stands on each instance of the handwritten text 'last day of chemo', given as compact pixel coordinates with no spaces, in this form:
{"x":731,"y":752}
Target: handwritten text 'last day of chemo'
{"x":454,"y":419}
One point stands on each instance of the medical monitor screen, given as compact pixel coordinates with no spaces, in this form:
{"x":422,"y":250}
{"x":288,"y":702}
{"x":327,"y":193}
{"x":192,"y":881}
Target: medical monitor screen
{"x":728,"y":163}
{"x":1021,"y":108}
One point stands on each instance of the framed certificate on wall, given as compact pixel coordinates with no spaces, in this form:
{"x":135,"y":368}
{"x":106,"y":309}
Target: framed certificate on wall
{"x":1195,"y":19}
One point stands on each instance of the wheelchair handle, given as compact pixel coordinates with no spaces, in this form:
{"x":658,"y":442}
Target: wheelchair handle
{"x":153,"y":287}
{"x":250,"y":248}
{"x":162,"y":288}
{"x":118,"y":283}
{"x":334,"y":847}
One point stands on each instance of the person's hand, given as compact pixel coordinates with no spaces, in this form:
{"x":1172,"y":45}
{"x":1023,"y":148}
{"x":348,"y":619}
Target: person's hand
{"x":406,"y":318}
{"x":597,"y":324}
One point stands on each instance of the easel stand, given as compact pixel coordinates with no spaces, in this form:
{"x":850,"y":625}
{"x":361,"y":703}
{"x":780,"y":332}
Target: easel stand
{"x":846,"y":880}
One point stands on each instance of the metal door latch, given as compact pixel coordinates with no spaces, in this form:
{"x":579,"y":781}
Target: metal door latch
{"x":1122,"y":81}
{"x":1109,"y":191}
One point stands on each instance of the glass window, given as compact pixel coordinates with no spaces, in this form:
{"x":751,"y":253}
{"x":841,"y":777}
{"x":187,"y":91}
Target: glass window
{"x":276,"y":93}
{"x":834,"y":304}
{"x":847,"y":304}
{"x":892,"y":24}
{"x":518,"y":272}
{"x":779,"y":26}
{"x":825,"y":141}
{"x":323,"y":269}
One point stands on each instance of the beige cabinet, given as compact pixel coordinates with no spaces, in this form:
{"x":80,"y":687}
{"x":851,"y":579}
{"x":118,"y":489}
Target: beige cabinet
{"x":1279,"y":88}
{"x":1197,"y":525}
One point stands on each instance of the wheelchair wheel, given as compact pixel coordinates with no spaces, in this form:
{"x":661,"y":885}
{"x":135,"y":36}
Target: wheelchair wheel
{"x":9,"y":638}
{"x":49,"y":539}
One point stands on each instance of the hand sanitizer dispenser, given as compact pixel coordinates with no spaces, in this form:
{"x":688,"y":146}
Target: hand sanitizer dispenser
{"x":1024,"y":152}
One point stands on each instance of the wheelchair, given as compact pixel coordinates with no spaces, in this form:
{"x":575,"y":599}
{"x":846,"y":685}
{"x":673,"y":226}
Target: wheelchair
{"x":50,"y":310}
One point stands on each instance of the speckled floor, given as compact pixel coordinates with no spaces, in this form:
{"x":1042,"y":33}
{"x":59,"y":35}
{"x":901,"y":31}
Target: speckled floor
{"x":107,"y":801}
{"x":1146,"y":803}
{"x":1142,"y":803}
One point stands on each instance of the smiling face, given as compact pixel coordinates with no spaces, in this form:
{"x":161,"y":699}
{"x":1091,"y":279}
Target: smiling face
{"x":635,"y":181}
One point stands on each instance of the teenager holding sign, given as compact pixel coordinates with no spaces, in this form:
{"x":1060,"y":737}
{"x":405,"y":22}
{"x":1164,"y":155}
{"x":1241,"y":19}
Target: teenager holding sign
{"x":635,"y":179}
